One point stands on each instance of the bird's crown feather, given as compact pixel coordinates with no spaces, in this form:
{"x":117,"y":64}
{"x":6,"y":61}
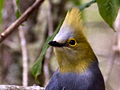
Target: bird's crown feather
{"x":73,"y":19}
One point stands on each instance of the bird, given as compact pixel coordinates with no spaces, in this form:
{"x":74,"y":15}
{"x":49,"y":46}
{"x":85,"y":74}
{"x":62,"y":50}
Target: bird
{"x":78,"y":67}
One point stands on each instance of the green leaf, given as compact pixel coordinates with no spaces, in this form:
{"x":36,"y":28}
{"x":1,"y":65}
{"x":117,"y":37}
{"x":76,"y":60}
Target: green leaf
{"x":18,"y":10}
{"x":108,"y":9}
{"x":1,"y":7}
{"x":17,"y":14}
{"x":36,"y":69}
{"x":18,"y":4}
{"x":86,"y":5}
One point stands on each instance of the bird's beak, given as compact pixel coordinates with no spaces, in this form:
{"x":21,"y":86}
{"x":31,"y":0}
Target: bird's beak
{"x":56,"y":44}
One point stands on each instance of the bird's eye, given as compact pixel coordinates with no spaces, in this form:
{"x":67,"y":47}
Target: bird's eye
{"x":72,"y":42}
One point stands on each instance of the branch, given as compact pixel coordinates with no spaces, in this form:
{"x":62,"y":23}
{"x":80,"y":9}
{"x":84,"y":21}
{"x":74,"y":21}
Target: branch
{"x":109,"y":65}
{"x":15,"y":87}
{"x":24,"y":52}
{"x":20,"y":20}
{"x":24,"y":56}
{"x":115,"y":48}
{"x":50,"y":19}
{"x":48,"y":53}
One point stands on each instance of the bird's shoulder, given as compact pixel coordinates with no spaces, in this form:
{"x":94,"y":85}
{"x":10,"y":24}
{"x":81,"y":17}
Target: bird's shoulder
{"x":90,"y":80}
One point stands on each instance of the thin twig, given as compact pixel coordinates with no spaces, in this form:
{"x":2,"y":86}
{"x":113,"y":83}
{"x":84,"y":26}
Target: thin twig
{"x":50,"y":21}
{"x":24,"y":56}
{"x":115,"y":48}
{"x":48,"y":53}
{"x":109,"y":65}
{"x":86,"y":5}
{"x":111,"y":59}
{"x":16,"y":87}
{"x":24,"y":51}
{"x":46,"y":68}
{"x":20,"y":20}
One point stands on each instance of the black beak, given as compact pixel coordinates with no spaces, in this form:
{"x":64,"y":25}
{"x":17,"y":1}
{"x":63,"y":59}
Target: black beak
{"x":55,"y":44}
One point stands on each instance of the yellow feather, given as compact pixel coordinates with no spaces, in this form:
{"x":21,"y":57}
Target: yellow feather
{"x":73,"y":19}
{"x":73,"y":59}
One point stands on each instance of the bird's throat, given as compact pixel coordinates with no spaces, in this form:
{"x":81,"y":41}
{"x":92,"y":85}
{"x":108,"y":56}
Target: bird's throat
{"x":80,"y":67}
{"x":72,"y":64}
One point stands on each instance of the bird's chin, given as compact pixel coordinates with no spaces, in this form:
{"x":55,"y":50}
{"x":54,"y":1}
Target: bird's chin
{"x":59,"y":49}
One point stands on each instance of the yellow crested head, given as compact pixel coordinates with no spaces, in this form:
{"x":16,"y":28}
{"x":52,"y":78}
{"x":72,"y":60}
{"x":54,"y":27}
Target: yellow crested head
{"x":72,"y":49}
{"x":73,"y":19}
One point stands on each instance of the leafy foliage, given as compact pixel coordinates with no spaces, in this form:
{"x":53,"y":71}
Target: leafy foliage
{"x":1,"y":6}
{"x":82,"y":7}
{"x":108,"y":9}
{"x":18,"y":10}
{"x":17,"y":14}
{"x":36,"y":69}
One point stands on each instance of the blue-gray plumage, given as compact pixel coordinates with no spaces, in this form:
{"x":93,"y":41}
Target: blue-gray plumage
{"x":91,"y":79}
